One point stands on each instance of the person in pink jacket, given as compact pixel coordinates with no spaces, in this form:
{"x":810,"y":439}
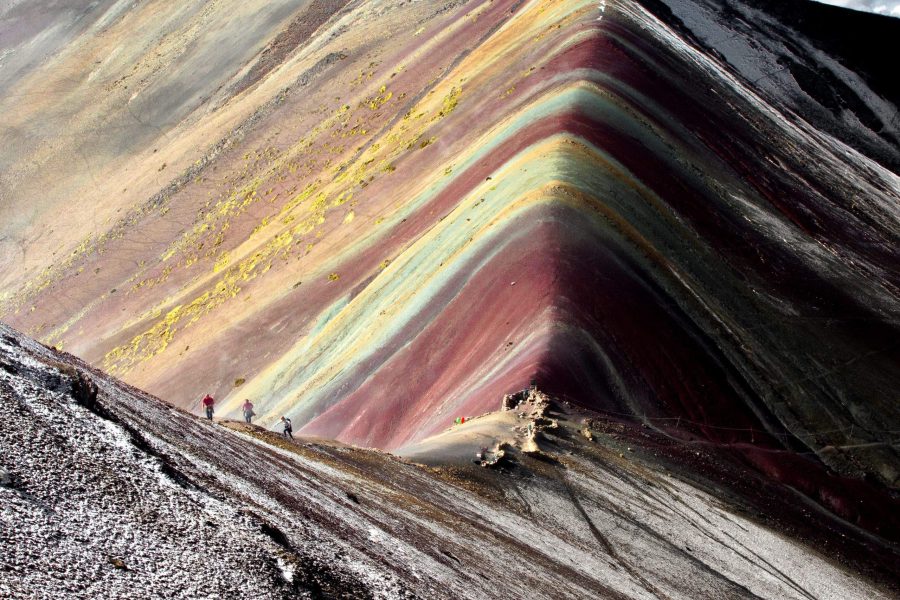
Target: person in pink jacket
{"x":248,"y":410}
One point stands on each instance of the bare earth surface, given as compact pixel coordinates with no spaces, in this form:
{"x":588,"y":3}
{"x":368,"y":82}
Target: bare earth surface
{"x":680,"y":218}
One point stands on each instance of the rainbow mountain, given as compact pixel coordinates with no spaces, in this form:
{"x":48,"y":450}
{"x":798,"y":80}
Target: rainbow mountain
{"x":374,"y":217}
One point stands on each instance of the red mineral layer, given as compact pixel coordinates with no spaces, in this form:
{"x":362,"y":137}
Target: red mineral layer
{"x":417,"y":374}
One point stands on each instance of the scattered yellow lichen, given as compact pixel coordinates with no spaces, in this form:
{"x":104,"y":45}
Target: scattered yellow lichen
{"x":221,"y":262}
{"x":376,"y":102}
{"x":450,"y":102}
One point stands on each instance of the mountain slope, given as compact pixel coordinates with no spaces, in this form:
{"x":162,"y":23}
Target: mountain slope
{"x":377,"y":217}
{"x":114,"y":493}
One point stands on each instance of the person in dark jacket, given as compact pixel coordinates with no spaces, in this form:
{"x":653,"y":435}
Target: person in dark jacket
{"x":288,"y":429}
{"x":208,"y":405}
{"x":248,"y":410}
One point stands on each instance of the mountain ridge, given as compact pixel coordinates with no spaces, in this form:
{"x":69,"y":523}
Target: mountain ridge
{"x":424,"y":208}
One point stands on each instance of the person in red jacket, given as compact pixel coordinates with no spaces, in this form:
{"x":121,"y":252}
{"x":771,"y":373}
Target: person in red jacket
{"x":208,"y":405}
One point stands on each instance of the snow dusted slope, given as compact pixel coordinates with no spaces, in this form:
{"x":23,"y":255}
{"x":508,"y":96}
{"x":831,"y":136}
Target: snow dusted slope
{"x":90,"y":510}
{"x":805,"y":59}
{"x":128,"y":497}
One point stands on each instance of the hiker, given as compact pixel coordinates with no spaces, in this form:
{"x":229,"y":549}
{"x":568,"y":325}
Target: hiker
{"x":288,"y":430}
{"x":248,"y":410}
{"x":208,"y":405}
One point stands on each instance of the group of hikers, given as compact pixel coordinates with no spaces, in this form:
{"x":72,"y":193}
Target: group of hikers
{"x":247,"y":408}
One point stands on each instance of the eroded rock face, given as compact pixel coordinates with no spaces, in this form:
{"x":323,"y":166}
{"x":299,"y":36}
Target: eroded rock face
{"x":377,"y":216}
